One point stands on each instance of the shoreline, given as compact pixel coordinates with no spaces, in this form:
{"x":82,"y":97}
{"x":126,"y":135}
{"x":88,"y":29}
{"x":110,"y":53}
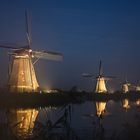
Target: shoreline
{"x":59,"y":99}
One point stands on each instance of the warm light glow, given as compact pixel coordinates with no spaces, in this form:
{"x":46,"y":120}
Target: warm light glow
{"x":100,"y":85}
{"x":30,"y":50}
{"x":100,"y":108}
{"x":125,"y":103}
{"x":52,"y":91}
{"x":22,"y":77}
{"x":137,"y":88}
{"x":22,"y":121}
{"x":125,"y":88}
{"x":138,"y":102}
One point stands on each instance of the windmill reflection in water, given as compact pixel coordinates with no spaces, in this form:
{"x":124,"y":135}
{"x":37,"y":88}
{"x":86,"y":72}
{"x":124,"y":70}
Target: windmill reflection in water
{"x":17,"y":124}
{"x":97,"y":117}
{"x":25,"y":124}
{"x":22,"y":122}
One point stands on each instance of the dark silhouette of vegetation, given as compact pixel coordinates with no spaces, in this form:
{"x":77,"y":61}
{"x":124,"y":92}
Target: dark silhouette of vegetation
{"x":59,"y":99}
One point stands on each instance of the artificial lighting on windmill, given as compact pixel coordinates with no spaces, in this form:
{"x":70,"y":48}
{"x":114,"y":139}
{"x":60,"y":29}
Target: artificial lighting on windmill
{"x":100,"y":86}
{"x":30,"y":50}
{"x":22,"y":61}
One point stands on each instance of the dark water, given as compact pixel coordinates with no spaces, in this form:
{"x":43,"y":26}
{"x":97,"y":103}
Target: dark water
{"x":86,"y":121}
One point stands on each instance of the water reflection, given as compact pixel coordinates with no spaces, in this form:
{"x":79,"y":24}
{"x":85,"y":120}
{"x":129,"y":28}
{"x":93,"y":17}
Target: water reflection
{"x":89,"y":120}
{"x":137,"y":102}
{"x":58,"y":127}
{"x":100,"y":108}
{"x":21,"y":121}
{"x":125,"y":104}
{"x":99,"y":130}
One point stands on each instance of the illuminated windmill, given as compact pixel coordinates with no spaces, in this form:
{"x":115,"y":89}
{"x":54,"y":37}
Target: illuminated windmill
{"x":22,"y":77}
{"x":100,"y":86}
{"x":136,"y":87}
{"x":125,"y":86}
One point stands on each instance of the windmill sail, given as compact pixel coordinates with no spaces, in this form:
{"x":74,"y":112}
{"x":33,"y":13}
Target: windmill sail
{"x":28,"y":29}
{"x":48,"y":55}
{"x":87,"y":75}
{"x":100,"y":68}
{"x":8,"y":47}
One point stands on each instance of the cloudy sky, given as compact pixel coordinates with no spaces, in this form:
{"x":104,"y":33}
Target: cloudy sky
{"x":85,"y":31}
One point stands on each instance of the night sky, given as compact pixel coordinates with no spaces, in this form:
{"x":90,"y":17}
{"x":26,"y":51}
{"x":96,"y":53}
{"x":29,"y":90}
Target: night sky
{"x":84,"y":31}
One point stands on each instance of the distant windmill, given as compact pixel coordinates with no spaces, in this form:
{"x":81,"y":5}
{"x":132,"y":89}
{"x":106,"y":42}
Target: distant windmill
{"x":125,"y":86}
{"x":22,"y":77}
{"x":100,"y":86}
{"x":136,"y":86}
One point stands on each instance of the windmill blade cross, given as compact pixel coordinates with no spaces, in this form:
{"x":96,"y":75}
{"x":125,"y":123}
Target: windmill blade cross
{"x":8,"y":47}
{"x":100,"y":68}
{"x":13,"y":47}
{"x":48,"y":55}
{"x":87,"y":75}
{"x":109,"y":77}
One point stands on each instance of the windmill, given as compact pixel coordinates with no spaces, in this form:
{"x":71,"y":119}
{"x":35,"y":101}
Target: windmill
{"x":22,"y":77}
{"x":100,"y":86}
{"x":136,"y":86}
{"x":125,"y":86}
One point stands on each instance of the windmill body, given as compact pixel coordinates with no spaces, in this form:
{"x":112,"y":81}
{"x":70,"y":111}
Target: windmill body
{"x":100,"y":86}
{"x":22,"y":77}
{"x":125,"y":87}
